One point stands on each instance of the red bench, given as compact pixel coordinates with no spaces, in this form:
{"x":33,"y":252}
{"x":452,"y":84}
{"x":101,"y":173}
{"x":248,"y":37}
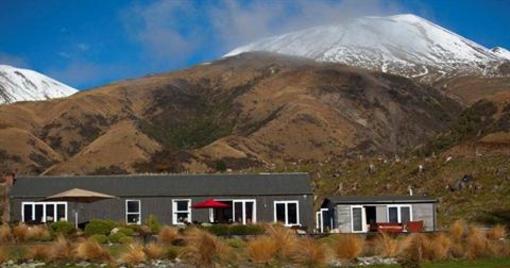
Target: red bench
{"x":411,"y":226}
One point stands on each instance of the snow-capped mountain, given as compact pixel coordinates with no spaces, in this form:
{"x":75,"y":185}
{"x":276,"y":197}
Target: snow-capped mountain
{"x":405,"y":44}
{"x":503,"y":53}
{"x":18,"y":84}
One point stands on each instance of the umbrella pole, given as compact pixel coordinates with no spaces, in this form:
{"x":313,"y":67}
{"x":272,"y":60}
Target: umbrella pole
{"x":76,"y":219}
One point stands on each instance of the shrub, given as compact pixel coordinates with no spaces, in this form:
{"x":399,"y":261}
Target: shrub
{"x":116,"y":237}
{"x":97,"y":226}
{"x":126,"y":240}
{"x":204,"y":249}
{"x":20,"y":232}
{"x":40,"y":253}
{"x":236,"y":243}
{"x":412,"y":254}
{"x":262,"y":249}
{"x":218,"y":229}
{"x":5,"y":233}
{"x":100,"y":238}
{"x":386,"y":245}
{"x":4,"y":255}
{"x":348,"y":247}
{"x":310,"y":253}
{"x":168,"y":234}
{"x":134,"y":255}
{"x":154,"y":251}
{"x":153,"y":224}
{"x":439,"y":247}
{"x":171,"y":253}
{"x":61,"y":249}
{"x":38,"y":233}
{"x":123,"y":230}
{"x":250,"y":229}
{"x":497,"y":232}
{"x":91,"y":250}
{"x":62,"y":227}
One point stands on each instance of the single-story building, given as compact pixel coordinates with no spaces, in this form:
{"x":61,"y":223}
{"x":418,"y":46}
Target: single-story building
{"x":355,"y":214}
{"x":249,"y":198}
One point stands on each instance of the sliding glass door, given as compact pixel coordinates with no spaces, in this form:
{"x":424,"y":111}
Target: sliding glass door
{"x":241,"y":211}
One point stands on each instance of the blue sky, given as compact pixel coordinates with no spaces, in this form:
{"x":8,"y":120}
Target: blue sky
{"x":88,"y":43}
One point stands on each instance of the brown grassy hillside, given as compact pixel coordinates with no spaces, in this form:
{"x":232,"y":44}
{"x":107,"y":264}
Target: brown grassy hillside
{"x":249,"y":110}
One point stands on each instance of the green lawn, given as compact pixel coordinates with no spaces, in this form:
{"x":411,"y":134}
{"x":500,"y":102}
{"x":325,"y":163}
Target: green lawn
{"x":487,"y":263}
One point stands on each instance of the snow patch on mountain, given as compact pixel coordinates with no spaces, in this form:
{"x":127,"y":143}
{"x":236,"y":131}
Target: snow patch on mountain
{"x":405,"y":44}
{"x":18,"y":84}
{"x":501,"y":52}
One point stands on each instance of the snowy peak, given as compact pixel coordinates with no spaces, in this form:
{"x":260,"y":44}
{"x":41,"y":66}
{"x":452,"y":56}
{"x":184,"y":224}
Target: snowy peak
{"x":501,"y":52}
{"x":18,"y":84}
{"x":404,"y":44}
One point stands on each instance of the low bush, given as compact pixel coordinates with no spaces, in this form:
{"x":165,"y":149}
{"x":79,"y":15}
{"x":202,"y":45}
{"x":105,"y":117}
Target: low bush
{"x":124,"y":230}
{"x":38,"y":233}
{"x":386,"y":246}
{"x":236,"y":229}
{"x":20,"y":232}
{"x":171,"y":253}
{"x":4,"y":254}
{"x":348,"y":247}
{"x":457,"y":230}
{"x":310,"y":253}
{"x":204,"y":249}
{"x":153,"y":224}
{"x":476,"y":244}
{"x":62,"y":249}
{"x":126,"y":240}
{"x":262,"y":249}
{"x":40,"y":253}
{"x":497,"y":232}
{"x":285,"y":239}
{"x":99,"y":238}
{"x":116,"y":237}
{"x":62,"y":227}
{"x":97,"y":226}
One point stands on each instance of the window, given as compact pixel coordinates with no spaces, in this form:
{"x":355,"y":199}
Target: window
{"x":357,"y":218}
{"x":399,"y":213}
{"x":286,"y":212}
{"x":181,"y":211}
{"x":133,"y":212}
{"x":40,"y":212}
{"x":241,"y":211}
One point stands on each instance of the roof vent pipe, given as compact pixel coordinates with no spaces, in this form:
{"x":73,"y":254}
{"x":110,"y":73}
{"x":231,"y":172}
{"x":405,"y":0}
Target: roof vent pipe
{"x":410,"y":190}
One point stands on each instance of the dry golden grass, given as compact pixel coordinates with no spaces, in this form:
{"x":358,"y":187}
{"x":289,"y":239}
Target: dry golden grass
{"x":348,"y":247}
{"x":262,"y":249}
{"x":38,"y":232}
{"x":386,"y":245}
{"x":154,"y":251}
{"x":90,"y":250}
{"x":5,"y":233}
{"x":476,"y":244}
{"x":20,"y":232}
{"x":285,"y":238}
{"x":40,"y":253}
{"x":497,"y":232}
{"x":4,"y":254}
{"x":204,"y":249}
{"x":438,"y":247}
{"x":62,"y":249}
{"x":413,"y":251}
{"x":457,"y":230}
{"x":310,"y":253}
{"x":133,"y":255}
{"x":168,"y":234}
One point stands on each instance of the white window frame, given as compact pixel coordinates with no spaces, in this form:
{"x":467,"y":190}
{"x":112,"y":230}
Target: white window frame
{"x":55,"y":210}
{"x":243,"y":201}
{"x":319,"y":219}
{"x":286,"y":204}
{"x":139,"y":213}
{"x":363,"y":219}
{"x":399,"y":212}
{"x":175,"y":211}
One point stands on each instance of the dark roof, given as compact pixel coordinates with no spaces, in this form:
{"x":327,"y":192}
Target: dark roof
{"x":380,"y":199}
{"x":166,"y":185}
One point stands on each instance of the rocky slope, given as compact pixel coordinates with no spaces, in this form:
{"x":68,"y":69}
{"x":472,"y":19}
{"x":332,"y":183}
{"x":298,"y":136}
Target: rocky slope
{"x":255,"y":109}
{"x":18,"y":84}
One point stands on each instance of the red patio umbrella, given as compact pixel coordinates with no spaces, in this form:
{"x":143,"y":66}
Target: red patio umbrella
{"x":210,"y":203}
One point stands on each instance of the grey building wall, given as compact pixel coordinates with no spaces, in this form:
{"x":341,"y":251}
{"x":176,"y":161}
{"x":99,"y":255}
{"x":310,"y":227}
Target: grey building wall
{"x":162,"y":208}
{"x":343,"y":218}
{"x":426,"y":213}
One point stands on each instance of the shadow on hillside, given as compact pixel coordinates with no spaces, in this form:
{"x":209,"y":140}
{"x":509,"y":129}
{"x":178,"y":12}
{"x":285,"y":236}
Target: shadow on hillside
{"x":499,"y":216}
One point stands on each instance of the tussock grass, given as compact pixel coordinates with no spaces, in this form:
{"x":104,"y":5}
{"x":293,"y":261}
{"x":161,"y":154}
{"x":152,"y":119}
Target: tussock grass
{"x":310,"y":253}
{"x":262,"y":249}
{"x":38,"y":232}
{"x":457,"y":230}
{"x":20,"y":232}
{"x":91,"y":250}
{"x":204,"y":249}
{"x":285,"y":238}
{"x":40,"y":253}
{"x":4,"y":254}
{"x":134,"y":254}
{"x":168,"y":234}
{"x":438,"y":247}
{"x":476,"y":243}
{"x":348,"y":247}
{"x":497,"y":232}
{"x":386,"y":245}
{"x":5,"y":233}
{"x":62,"y":249}
{"x":154,"y":251}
